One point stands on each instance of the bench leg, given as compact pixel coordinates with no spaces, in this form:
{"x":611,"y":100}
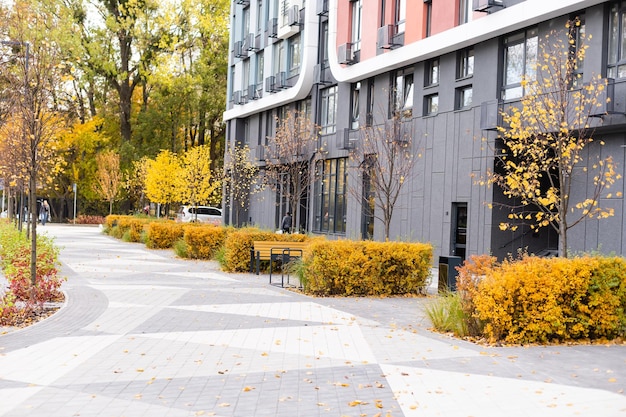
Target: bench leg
{"x":258,"y":262}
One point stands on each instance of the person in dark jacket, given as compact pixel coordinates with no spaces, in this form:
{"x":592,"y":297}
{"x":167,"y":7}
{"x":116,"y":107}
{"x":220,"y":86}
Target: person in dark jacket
{"x":286,"y":223}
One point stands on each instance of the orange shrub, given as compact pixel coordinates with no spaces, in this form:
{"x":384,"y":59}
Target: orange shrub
{"x":239,"y":243}
{"x":539,"y":300}
{"x":366,"y":268}
{"x":163,"y":235}
{"x":204,"y":241}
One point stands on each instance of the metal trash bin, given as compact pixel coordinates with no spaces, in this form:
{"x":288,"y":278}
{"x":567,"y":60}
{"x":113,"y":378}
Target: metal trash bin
{"x":448,"y":273}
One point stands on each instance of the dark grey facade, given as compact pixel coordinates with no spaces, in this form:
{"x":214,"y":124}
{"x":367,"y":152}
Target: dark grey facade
{"x":442,"y":202}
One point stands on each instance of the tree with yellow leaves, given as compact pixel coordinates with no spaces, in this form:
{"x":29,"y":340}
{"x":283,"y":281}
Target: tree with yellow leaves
{"x":108,"y":177}
{"x":545,"y":138}
{"x":163,"y":178}
{"x":197,"y":183}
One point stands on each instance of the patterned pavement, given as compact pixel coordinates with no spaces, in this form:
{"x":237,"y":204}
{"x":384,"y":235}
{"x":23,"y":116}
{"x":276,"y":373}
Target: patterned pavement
{"x":143,"y":333}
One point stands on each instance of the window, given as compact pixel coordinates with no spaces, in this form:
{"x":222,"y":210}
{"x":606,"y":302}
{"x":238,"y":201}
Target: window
{"x":520,"y":61}
{"x":429,"y":17}
{"x":577,"y":33}
{"x":465,"y":63}
{"x":400,"y":15}
{"x":329,"y":110}
{"x":617,"y":41}
{"x":304,"y":109}
{"x":260,"y":15}
{"x":294,"y":55}
{"x":330,"y":196}
{"x":357,"y":6}
{"x":369,"y":117}
{"x":245,"y":77}
{"x":432,"y":72}
{"x":324,"y":44}
{"x":464,"y":97}
{"x":402,"y":88}
{"x":354,"y":106}
{"x":279,"y":57}
{"x":431,"y":104}
{"x":465,"y":11}
{"x":260,"y":63}
{"x":245,"y":23}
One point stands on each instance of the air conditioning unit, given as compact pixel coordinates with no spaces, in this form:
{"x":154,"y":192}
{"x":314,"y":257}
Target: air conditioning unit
{"x":281,"y":80}
{"x":238,"y":97}
{"x":293,"y":16}
{"x":349,"y":140}
{"x":490,"y":117}
{"x":322,"y":7}
{"x":272,"y":28}
{"x":345,"y":55}
{"x":319,"y":73}
{"x":252,"y":92}
{"x":487,"y":5}
{"x":385,"y":37}
{"x":270,"y":84}
{"x":240,"y":52}
{"x":251,"y":42}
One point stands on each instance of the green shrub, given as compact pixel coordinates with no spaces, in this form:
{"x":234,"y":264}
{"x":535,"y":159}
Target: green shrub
{"x":366,"y":268}
{"x":180,"y":248}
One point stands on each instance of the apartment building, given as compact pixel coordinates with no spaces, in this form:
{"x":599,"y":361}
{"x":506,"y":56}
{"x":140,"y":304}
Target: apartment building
{"x":448,"y":67}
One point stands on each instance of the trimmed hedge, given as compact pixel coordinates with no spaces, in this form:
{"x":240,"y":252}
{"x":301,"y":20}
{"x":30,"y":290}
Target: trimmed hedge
{"x":237,"y":246}
{"x":539,"y":300}
{"x":204,"y":241}
{"x":129,"y":228}
{"x":366,"y":268}
{"x":163,"y":235}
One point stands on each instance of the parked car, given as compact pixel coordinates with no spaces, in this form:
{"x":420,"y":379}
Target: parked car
{"x":201,"y":214}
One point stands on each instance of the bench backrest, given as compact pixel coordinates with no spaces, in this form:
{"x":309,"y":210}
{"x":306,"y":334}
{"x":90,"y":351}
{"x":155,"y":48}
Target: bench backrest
{"x":264,"y":247}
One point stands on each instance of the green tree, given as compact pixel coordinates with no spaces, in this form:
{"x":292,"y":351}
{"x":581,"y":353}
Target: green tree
{"x":544,"y":141}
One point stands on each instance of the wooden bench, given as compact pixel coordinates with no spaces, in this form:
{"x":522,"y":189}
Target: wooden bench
{"x":275,"y":251}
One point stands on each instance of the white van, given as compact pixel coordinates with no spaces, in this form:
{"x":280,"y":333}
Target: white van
{"x":200,"y":214}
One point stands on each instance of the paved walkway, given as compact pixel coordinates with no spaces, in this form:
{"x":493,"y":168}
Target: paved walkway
{"x":145,"y":334}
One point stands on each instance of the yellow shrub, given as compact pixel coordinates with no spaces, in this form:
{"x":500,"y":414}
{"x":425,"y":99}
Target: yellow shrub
{"x":539,"y":300}
{"x":239,"y":243}
{"x":204,"y":241}
{"x":366,"y":268}
{"x":163,"y":235}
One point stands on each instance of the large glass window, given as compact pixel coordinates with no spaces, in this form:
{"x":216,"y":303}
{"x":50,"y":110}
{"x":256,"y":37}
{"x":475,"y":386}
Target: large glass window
{"x":294,"y":55}
{"x":329,"y":110}
{"x":260,"y":63}
{"x":431,"y":104}
{"x":357,"y":6}
{"x":402,"y":87}
{"x":577,"y":33}
{"x":520,"y":61}
{"x":330,"y":196}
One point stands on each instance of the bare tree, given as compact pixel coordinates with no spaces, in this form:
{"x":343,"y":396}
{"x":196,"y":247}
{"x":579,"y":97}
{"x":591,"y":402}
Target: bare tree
{"x":289,"y":158}
{"x":240,"y":179}
{"x":384,"y":157}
